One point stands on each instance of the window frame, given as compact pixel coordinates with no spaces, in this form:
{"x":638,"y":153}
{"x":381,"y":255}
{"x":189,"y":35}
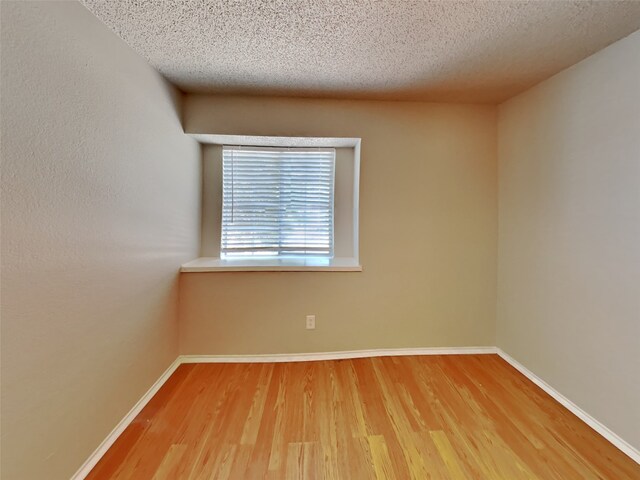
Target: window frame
{"x":346,"y":230}
{"x":226,"y":228}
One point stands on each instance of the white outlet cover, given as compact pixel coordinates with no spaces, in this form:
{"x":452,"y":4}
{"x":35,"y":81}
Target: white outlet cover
{"x":311,"y":322}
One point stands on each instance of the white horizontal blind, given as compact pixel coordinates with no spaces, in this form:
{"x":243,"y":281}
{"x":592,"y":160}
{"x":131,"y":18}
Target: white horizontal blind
{"x":277,"y":202}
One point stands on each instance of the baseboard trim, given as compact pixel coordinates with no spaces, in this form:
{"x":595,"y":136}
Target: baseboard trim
{"x":310,"y":357}
{"x":603,"y":430}
{"x":95,"y":457}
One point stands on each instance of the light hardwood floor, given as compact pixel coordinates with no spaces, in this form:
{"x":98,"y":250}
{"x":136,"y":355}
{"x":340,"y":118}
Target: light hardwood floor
{"x":429,"y":417}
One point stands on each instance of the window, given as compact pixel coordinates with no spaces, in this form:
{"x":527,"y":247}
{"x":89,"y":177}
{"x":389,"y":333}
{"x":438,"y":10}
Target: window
{"x":277,"y":202}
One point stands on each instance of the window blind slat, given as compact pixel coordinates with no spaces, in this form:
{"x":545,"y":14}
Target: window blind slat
{"x":277,"y":202}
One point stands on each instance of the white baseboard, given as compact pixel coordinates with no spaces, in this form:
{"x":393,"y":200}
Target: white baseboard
{"x":95,"y":457}
{"x":309,"y":357}
{"x":603,"y":430}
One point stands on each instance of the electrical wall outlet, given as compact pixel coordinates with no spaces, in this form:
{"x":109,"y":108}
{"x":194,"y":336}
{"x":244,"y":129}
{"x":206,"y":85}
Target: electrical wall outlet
{"x":311,"y":322}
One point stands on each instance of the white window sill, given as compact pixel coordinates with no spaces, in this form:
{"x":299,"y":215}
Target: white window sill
{"x":212,"y":264}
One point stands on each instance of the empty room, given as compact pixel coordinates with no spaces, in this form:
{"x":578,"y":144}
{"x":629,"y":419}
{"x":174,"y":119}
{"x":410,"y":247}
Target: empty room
{"x":320,"y":239}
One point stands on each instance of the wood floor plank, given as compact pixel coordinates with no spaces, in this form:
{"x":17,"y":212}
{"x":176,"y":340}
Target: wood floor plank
{"x":254,"y":418}
{"x":449,"y":455}
{"x":382,"y":466}
{"x":429,"y":417}
{"x":377,"y":414}
{"x":171,"y":463}
{"x":221,"y":469}
{"x":301,"y":461}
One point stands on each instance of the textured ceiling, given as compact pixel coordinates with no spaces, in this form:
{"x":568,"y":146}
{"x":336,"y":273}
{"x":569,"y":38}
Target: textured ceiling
{"x":464,"y":51}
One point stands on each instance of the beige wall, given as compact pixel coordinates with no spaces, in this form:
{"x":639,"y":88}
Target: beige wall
{"x":569,"y":243}
{"x":428,"y":213}
{"x":99,"y":207}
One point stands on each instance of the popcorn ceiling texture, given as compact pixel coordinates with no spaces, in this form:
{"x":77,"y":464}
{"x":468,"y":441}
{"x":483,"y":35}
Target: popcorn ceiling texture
{"x":463,"y":51}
